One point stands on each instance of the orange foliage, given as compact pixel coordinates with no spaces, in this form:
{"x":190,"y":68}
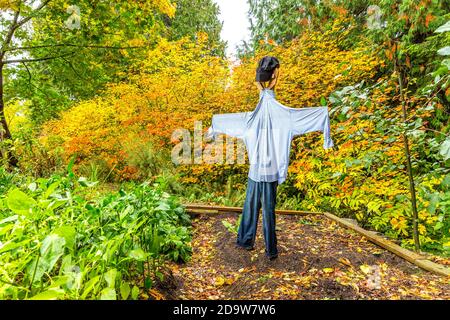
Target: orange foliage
{"x":180,"y":82}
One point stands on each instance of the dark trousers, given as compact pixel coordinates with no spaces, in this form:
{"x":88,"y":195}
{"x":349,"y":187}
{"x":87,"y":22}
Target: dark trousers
{"x":259,"y":193}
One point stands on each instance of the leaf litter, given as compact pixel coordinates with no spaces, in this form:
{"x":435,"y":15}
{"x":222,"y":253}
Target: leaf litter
{"x":318,"y":259}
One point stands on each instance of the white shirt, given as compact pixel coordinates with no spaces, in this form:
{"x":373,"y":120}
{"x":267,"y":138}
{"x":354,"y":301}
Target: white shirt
{"x":267,"y":133}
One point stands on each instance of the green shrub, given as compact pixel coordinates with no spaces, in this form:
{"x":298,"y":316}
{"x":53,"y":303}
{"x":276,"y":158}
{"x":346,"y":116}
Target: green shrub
{"x":55,"y":244}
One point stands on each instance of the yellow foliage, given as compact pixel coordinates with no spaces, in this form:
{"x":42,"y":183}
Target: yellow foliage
{"x":166,"y":91}
{"x":165,"y":6}
{"x":181,"y":82}
{"x":16,"y":114}
{"x":8,"y":4}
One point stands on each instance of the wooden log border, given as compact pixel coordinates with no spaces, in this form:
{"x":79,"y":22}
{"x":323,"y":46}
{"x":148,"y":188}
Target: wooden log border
{"x":201,"y":208}
{"x":415,"y":258}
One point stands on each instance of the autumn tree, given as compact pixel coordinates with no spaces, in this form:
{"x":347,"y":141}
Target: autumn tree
{"x":65,"y":43}
{"x":284,"y":20}
{"x":193,"y":16}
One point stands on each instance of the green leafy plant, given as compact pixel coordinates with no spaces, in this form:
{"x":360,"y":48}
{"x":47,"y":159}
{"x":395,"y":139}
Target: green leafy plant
{"x":233,"y":228}
{"x":55,"y":244}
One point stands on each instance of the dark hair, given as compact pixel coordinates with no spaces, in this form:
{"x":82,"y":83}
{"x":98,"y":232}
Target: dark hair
{"x":266,"y":67}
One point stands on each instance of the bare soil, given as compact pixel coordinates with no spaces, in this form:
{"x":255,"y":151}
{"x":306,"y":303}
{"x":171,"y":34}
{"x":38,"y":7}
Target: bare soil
{"x":318,"y":259}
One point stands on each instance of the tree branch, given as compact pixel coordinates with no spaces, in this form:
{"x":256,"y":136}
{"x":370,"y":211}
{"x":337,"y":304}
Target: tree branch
{"x":37,"y":59}
{"x":28,"y":71}
{"x":73,"y":45}
{"x":10,"y":33}
{"x":73,"y":69}
{"x":30,"y":80}
{"x":435,"y":131}
{"x":17,"y":24}
{"x":26,"y":19}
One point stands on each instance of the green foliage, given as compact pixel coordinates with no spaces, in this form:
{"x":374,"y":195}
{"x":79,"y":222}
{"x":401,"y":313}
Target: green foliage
{"x":194,"y":16}
{"x":55,"y":244}
{"x":7,"y":179}
{"x":230,"y":194}
{"x":275,"y":19}
{"x":283,"y":20}
{"x":233,"y":228}
{"x":390,"y":210}
{"x":79,"y":62}
{"x":367,"y":179}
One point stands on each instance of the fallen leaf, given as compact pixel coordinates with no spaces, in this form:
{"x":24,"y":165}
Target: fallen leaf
{"x":345,"y":261}
{"x":328,"y":270}
{"x":219,"y":281}
{"x":365,"y":268}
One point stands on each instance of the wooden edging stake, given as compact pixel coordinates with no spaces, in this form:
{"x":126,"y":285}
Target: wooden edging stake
{"x":406,"y":254}
{"x":193,"y":208}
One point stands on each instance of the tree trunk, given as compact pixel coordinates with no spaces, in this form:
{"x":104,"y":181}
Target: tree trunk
{"x":412,"y":188}
{"x":5,"y":134}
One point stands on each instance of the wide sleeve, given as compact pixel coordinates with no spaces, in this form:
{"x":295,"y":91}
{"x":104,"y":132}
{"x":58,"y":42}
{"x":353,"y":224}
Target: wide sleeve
{"x":231,"y":124}
{"x":304,"y":120}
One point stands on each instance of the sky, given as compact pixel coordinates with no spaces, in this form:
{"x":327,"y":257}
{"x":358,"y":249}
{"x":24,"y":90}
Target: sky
{"x":233,"y":14}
